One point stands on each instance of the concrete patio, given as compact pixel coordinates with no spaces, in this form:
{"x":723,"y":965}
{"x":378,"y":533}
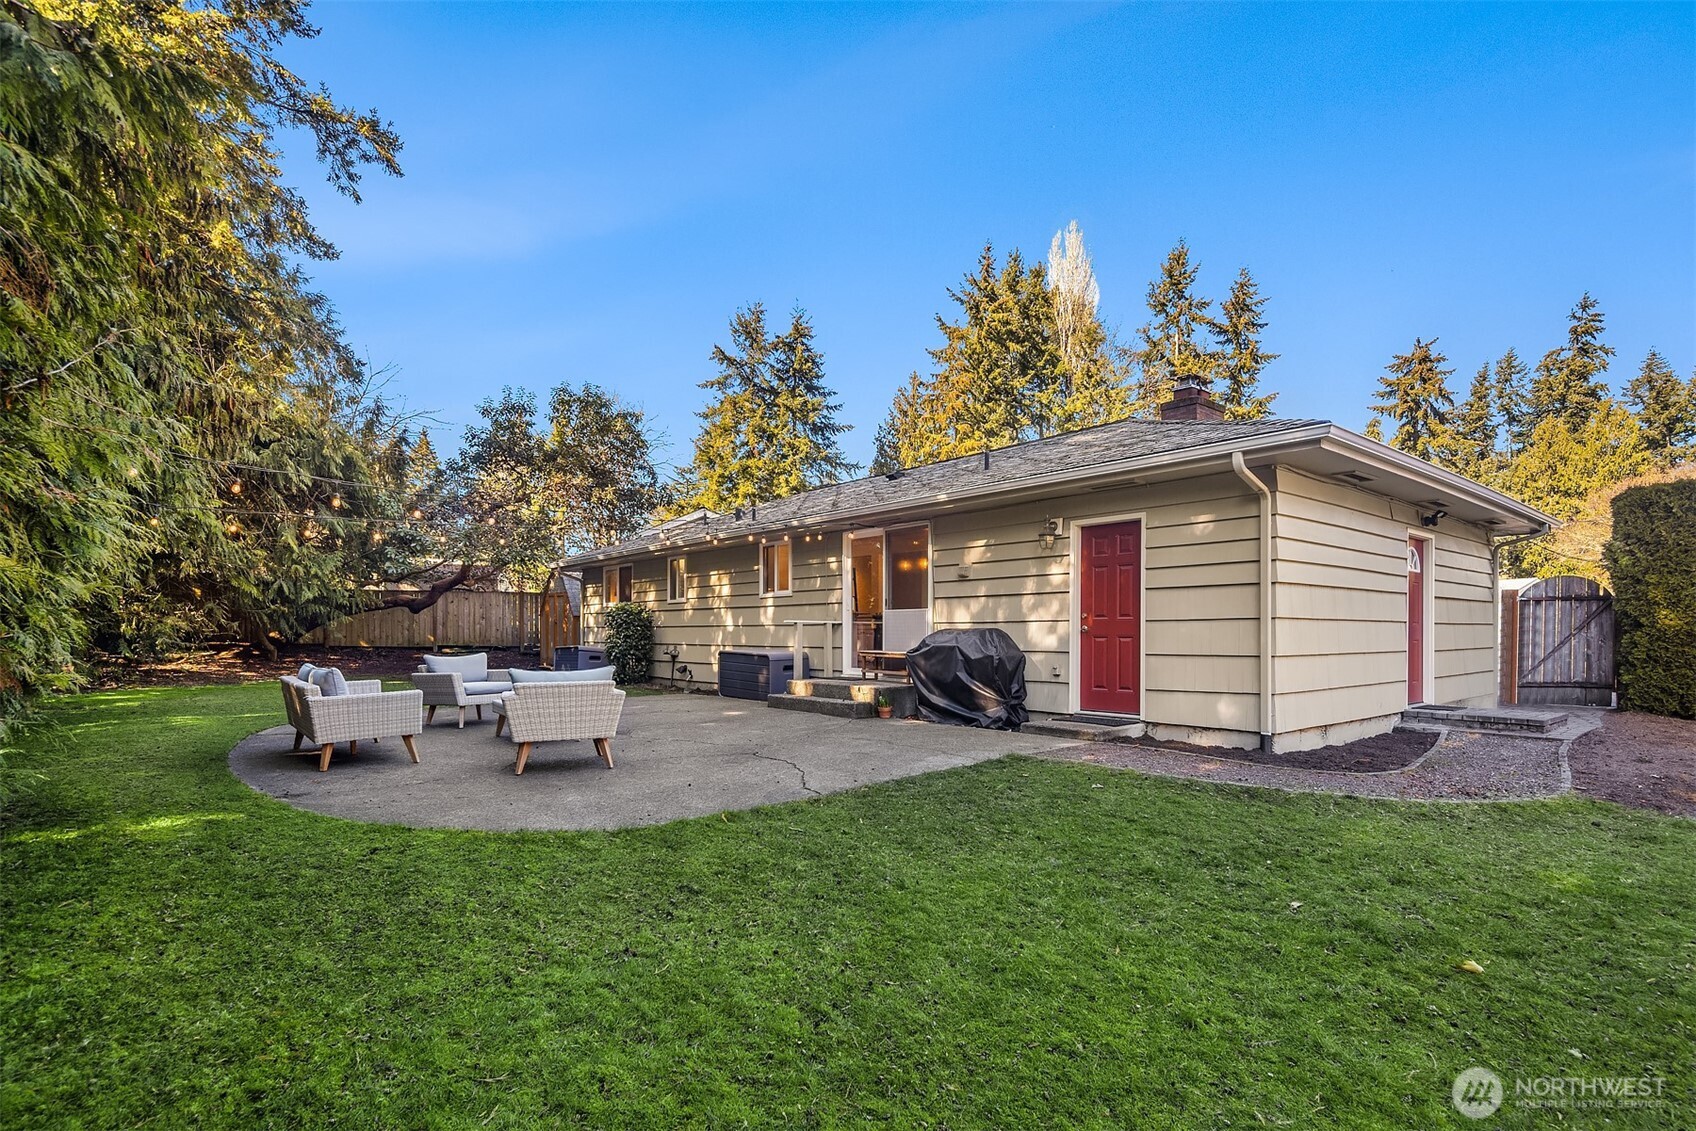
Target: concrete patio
{"x":676,"y":756}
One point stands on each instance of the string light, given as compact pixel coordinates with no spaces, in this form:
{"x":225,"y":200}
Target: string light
{"x":415,"y":514}
{"x":336,"y":502}
{"x":235,"y":486}
{"x":153,"y":520}
{"x":132,"y":471}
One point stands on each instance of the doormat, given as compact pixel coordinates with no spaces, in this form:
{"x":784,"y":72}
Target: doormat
{"x":1098,"y":720}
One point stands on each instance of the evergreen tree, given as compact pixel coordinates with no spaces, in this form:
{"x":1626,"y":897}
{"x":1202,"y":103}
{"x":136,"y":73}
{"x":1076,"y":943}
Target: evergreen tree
{"x":1375,"y":429}
{"x":1169,"y":349}
{"x":1666,"y":409}
{"x":1472,"y":444}
{"x":801,"y":443}
{"x":771,"y":428}
{"x":1569,"y":385}
{"x":1239,"y":358}
{"x":1416,"y":395}
{"x":1000,"y":377}
{"x":1511,"y":395}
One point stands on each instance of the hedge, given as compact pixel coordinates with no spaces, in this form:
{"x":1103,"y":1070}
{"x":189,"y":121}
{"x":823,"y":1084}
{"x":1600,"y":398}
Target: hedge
{"x":628,"y":629}
{"x":1652,"y":559}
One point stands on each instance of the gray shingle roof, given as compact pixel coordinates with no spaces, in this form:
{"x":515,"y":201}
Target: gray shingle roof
{"x":1078,"y":452}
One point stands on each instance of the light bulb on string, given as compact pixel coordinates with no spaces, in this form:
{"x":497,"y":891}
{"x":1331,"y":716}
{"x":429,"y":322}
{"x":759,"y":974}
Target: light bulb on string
{"x":153,"y":520}
{"x":335,"y":502}
{"x":415,"y":514}
{"x":132,"y":471}
{"x":235,"y":486}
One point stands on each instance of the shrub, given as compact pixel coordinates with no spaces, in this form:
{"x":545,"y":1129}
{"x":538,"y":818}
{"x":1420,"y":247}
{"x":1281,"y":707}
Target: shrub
{"x":1652,"y":558}
{"x":629,"y":632}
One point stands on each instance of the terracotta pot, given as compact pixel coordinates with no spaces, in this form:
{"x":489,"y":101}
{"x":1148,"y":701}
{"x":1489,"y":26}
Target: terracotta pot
{"x":886,"y":712}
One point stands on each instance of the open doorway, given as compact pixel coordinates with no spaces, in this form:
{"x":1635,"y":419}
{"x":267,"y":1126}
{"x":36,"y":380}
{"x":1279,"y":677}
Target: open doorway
{"x":889,"y":591}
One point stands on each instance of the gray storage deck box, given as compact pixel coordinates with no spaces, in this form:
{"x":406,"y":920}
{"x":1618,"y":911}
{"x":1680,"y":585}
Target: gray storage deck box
{"x":748,"y":673}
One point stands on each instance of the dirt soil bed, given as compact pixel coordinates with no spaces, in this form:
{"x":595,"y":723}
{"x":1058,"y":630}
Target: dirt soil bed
{"x":241,"y":665}
{"x":1642,"y":760}
{"x":1394,"y":751}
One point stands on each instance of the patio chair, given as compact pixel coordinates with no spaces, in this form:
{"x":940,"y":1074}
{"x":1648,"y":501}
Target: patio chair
{"x":460,"y":682}
{"x":366,"y":711}
{"x":560,"y":712}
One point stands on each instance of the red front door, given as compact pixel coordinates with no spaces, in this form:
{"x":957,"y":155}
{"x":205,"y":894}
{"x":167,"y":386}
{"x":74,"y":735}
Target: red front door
{"x":1110,"y":618}
{"x":1416,"y":620}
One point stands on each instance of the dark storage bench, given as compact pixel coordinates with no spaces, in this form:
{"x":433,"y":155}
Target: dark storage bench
{"x":575,"y":658}
{"x":750,"y":673}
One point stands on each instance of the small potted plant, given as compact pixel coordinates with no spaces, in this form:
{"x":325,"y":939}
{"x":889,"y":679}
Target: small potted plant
{"x":884,"y":710}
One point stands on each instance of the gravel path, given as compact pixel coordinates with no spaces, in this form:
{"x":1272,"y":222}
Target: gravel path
{"x":1463,"y":766}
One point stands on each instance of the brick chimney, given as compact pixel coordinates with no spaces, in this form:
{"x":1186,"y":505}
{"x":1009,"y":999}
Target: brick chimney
{"x":1191,"y":402}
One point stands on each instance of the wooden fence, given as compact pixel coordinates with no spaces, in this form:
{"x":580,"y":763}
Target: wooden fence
{"x":1558,"y":639}
{"x":461,"y":619}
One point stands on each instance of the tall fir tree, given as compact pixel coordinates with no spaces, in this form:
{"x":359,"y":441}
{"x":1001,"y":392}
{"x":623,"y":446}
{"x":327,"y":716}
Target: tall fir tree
{"x":1570,"y":385}
{"x":1416,"y":396}
{"x":999,"y":378}
{"x":1666,"y":409}
{"x":1473,"y":431}
{"x":1375,"y":429}
{"x":1239,"y":359}
{"x":802,"y":445}
{"x":771,"y":428}
{"x":1511,"y":393}
{"x":1169,"y":347}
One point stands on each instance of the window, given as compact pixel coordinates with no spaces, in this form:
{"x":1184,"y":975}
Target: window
{"x":676,"y":581}
{"x":909,"y":568}
{"x":618,"y":582}
{"x":774,"y":569}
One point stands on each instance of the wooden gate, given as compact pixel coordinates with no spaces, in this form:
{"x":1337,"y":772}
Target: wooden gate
{"x":559,"y":626}
{"x":1562,"y":638}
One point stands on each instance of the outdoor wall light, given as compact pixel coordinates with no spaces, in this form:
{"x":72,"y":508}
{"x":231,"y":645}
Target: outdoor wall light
{"x":1433,"y":518}
{"x":1049,"y":532}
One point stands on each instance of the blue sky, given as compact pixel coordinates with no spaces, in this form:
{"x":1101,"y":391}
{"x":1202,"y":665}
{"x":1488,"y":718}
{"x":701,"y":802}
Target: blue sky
{"x":591,"y":191}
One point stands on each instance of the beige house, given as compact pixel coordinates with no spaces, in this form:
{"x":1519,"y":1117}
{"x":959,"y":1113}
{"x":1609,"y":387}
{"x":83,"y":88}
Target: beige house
{"x":1280,"y":582}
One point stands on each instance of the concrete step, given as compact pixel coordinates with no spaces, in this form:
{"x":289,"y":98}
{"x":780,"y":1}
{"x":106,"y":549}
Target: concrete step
{"x":1487,"y":718}
{"x":1083,"y":731}
{"x":836,"y":708}
{"x":901,"y":696}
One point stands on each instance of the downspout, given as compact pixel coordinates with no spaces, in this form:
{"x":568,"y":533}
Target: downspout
{"x":1496,"y":549}
{"x":1268,"y":700}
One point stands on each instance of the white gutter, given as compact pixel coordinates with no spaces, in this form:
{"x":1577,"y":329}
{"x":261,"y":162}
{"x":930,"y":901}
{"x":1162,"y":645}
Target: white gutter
{"x":1496,"y":549}
{"x":1268,"y":690}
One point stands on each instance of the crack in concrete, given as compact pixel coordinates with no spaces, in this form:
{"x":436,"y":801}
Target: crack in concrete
{"x":764,"y":757}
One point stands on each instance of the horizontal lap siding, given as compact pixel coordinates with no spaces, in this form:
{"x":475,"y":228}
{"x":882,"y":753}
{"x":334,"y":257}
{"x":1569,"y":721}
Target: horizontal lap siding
{"x":1201,"y":559}
{"x":1340,"y":601}
{"x":723,"y":608}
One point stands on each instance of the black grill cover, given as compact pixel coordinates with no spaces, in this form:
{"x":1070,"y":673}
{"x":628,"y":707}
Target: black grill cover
{"x":970,"y":677}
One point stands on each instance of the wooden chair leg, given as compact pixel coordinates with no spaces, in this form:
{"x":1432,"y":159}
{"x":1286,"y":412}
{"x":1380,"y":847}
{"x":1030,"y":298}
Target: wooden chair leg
{"x":352,"y":747}
{"x":603,"y":747}
{"x":430,"y":715}
{"x":462,"y":718}
{"x":500,"y":724}
{"x":523,"y":756}
{"x":324,"y":756}
{"x":298,"y":739}
{"x":479,"y":712}
{"x":411,"y":747}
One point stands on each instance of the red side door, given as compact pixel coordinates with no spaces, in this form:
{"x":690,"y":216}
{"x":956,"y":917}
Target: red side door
{"x":1416,"y":620}
{"x":1110,"y":618}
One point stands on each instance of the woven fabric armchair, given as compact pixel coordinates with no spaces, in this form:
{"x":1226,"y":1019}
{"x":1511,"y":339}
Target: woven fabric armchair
{"x":451,"y":689}
{"x":367,"y":711}
{"x":560,"y":712}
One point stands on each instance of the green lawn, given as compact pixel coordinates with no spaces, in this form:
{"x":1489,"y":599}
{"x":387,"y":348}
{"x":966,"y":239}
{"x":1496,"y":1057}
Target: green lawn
{"x":1016,"y":944}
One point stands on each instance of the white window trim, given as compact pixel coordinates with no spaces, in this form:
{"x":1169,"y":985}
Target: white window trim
{"x":786,"y":592}
{"x":678,"y":600}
